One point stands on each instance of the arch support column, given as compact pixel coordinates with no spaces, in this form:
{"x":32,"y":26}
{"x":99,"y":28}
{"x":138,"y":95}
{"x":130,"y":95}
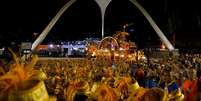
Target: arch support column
{"x":154,"y":26}
{"x":47,"y":29}
{"x":103,"y":5}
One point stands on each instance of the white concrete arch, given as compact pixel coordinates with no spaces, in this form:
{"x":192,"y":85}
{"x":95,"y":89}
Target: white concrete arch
{"x":103,"y":5}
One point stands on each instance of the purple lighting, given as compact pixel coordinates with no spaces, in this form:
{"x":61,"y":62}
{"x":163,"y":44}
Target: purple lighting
{"x":51,"y":45}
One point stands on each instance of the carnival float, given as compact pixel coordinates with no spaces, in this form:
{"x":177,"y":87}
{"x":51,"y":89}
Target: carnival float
{"x":115,"y":48}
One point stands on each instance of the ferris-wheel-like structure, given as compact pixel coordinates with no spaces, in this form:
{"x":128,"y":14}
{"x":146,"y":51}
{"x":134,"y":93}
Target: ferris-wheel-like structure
{"x":108,"y":43}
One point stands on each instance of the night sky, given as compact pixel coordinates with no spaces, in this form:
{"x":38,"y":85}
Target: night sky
{"x":21,"y":18}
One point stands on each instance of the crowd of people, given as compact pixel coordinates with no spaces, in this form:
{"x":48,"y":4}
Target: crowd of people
{"x":179,"y":77}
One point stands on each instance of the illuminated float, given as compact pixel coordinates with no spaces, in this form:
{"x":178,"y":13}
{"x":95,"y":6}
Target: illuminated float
{"x":116,"y":48}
